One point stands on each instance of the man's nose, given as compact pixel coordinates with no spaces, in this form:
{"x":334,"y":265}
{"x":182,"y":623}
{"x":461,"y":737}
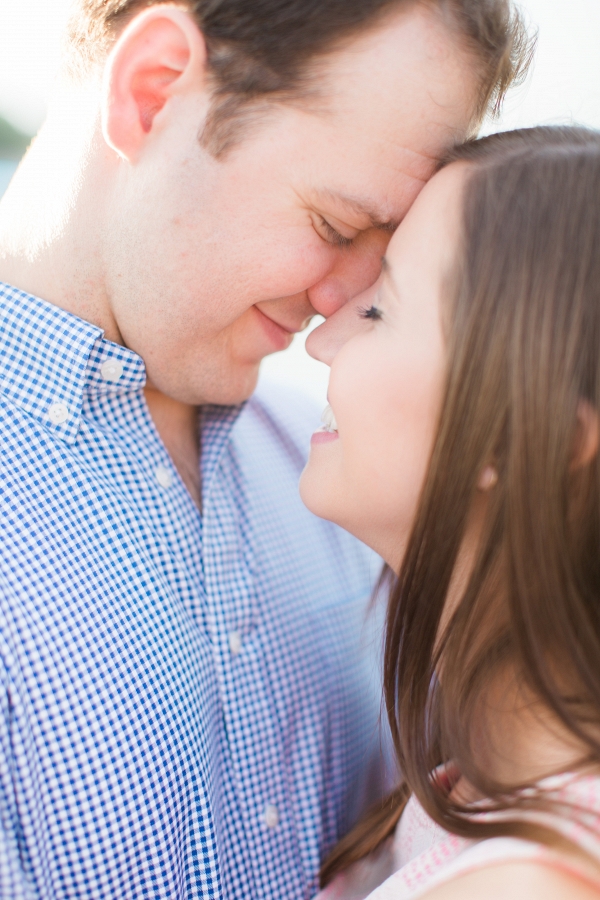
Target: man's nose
{"x":355,"y":270}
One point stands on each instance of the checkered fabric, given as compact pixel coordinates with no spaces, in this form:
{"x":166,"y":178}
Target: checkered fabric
{"x":189,"y":703}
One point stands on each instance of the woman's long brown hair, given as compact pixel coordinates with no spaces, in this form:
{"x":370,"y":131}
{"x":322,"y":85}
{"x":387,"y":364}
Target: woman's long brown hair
{"x":523,"y":348}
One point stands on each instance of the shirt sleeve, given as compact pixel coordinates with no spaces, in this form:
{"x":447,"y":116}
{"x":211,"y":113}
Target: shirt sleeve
{"x":17,"y":880}
{"x":14,"y":884}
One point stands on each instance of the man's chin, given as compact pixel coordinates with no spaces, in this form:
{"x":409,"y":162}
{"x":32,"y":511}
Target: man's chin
{"x":233,"y":388}
{"x":225,"y":385}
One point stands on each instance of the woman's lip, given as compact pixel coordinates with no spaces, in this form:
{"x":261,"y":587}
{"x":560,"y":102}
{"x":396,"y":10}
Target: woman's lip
{"x":324,"y":437}
{"x":279,"y":336}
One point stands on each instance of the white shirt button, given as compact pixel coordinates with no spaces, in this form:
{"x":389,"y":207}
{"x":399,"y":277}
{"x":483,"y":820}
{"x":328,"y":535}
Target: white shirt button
{"x":271,"y":816}
{"x":235,"y":643}
{"x":111,"y":370}
{"x":164,"y":477}
{"x":58,"y":413}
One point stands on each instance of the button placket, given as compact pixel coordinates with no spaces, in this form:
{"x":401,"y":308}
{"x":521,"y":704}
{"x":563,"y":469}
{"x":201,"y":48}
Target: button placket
{"x":262,"y":800}
{"x":262,"y":790}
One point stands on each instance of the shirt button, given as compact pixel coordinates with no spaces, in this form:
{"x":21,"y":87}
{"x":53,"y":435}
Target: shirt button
{"x":271,"y":816}
{"x":111,"y":370}
{"x":164,"y":477}
{"x":235,"y":643}
{"x":58,"y":413}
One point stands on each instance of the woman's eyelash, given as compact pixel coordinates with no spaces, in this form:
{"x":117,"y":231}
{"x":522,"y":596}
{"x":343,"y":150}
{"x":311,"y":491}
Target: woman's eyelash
{"x":334,"y":236}
{"x":369,"y":312}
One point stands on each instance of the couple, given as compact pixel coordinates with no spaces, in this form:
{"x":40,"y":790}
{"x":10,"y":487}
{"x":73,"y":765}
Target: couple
{"x":189,"y":705}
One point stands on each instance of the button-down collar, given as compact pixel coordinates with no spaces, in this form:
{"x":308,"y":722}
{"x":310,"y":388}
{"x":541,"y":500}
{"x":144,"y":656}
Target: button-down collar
{"x":49,"y":357}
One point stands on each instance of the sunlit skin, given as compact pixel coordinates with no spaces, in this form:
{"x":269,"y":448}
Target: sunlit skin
{"x":386,"y":389}
{"x":386,"y":382}
{"x":205,"y":265}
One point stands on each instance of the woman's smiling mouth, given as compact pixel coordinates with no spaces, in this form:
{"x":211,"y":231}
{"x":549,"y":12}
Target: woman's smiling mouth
{"x":329,"y":431}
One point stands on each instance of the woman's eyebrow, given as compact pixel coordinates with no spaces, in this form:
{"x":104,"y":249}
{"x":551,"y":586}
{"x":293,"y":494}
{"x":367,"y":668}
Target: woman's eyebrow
{"x":388,"y":275}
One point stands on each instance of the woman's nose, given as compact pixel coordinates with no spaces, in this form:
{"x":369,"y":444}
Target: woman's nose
{"x":325,"y":342}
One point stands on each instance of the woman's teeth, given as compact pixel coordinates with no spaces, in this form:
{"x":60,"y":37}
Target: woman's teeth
{"x":328,"y":420}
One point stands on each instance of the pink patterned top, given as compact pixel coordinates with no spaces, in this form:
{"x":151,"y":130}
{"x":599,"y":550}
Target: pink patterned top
{"x":422,"y":855}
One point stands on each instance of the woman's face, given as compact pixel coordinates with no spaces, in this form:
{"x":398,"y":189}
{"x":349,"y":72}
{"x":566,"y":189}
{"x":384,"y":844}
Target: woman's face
{"x":387,"y":358}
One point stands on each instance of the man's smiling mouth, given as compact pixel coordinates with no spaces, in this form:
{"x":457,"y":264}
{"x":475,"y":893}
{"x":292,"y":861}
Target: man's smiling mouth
{"x":279,"y":336}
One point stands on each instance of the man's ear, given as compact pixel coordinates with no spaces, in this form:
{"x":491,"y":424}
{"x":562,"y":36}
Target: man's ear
{"x":587,"y":436}
{"x":160,"y":54}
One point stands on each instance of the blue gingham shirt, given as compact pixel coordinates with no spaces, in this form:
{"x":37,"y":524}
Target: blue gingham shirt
{"x":188,"y":702}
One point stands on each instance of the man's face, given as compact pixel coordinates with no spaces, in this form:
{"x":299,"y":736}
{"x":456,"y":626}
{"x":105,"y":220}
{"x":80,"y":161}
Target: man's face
{"x":215,"y":263}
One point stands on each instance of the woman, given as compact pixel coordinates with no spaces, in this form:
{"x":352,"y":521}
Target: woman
{"x":462,"y":444}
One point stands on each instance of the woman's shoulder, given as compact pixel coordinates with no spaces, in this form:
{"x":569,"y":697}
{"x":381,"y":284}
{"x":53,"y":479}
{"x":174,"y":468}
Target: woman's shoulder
{"x":443,"y":866}
{"x":535,"y":880}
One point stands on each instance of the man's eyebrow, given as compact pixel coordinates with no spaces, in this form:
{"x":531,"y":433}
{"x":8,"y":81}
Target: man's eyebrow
{"x":363,"y":208}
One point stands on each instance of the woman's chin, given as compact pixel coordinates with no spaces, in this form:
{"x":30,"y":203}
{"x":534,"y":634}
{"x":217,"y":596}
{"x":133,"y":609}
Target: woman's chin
{"x":310,"y":494}
{"x":320,"y":496}
{"x":317,"y":494}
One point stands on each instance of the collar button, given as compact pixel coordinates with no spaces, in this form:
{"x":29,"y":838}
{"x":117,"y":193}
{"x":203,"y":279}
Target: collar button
{"x":111,"y":370}
{"x":58,"y":413}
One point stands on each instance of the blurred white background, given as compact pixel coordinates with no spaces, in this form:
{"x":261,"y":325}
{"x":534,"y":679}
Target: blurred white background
{"x":563,"y":87}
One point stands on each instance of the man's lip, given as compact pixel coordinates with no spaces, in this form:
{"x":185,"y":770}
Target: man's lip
{"x":279,"y":337}
{"x":297,"y":330}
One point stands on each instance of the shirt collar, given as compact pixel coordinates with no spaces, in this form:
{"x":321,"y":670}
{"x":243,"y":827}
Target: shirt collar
{"x":48,"y":357}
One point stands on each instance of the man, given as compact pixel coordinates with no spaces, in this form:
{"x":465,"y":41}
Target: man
{"x":185,"y":701}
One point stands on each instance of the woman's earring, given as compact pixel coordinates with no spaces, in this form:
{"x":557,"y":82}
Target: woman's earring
{"x":488,"y":479}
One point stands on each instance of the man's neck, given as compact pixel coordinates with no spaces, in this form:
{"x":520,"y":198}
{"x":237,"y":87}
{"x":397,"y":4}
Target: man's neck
{"x":177,"y":424}
{"x":51,"y":226}
{"x":50,"y":246}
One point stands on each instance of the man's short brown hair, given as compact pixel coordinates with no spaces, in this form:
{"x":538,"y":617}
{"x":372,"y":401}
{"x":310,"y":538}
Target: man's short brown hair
{"x":259,"y":50}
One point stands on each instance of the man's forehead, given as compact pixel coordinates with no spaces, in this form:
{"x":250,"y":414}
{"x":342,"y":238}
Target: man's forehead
{"x":384,"y":214}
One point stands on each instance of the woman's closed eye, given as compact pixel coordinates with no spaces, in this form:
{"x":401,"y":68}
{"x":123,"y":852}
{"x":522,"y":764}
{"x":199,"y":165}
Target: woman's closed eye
{"x":370,"y":312}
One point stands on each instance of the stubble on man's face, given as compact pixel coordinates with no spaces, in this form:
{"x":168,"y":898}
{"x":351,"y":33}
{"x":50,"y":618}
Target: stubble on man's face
{"x":223,"y":260}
